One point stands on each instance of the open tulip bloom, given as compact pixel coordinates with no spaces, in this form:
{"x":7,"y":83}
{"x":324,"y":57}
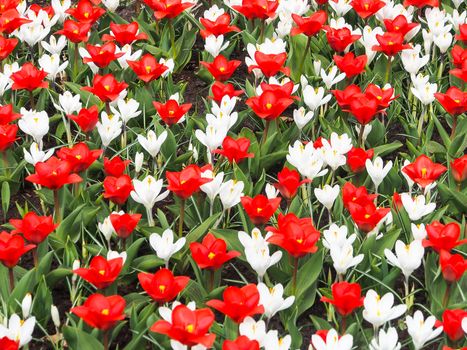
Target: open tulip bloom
{"x":233,"y":175}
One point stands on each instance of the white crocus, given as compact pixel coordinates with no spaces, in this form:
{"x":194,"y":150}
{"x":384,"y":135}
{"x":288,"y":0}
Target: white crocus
{"x":230,"y":193}
{"x":212,"y":188}
{"x":139,"y":159}
{"x":55,"y":46}
{"x":18,"y":329}
{"x":68,"y":103}
{"x":416,"y":207}
{"x":34,"y":124}
{"x":377,"y":170}
{"x":386,"y":340}
{"x":273,"y":299}
{"x":336,"y":236}
{"x":106,"y":228}
{"x":366,"y":131}
{"x":408,"y":257}
{"x":148,"y":192}
{"x":51,"y":65}
{"x":55,"y":315}
{"x":127,"y":109}
{"x":343,"y":259}
{"x":333,"y":341}
{"x":379,"y":310}
{"x":274,"y":342}
{"x":301,"y":117}
{"x":412,"y":61}
{"x":113,"y":254}
{"x":26,"y":304}
{"x":418,"y":231}
{"x":340,"y":7}
{"x":215,"y":45}
{"x":111,"y":5}
{"x":421,"y":330}
{"x":425,"y":93}
{"x":331,"y":78}
{"x":271,"y":191}
{"x":314,"y":97}
{"x":128,"y":55}
{"x":109,"y":128}
{"x":152,"y":143}
{"x":254,"y":330}
{"x":35,"y":155}
{"x":327,"y":195}
{"x":165,"y":246}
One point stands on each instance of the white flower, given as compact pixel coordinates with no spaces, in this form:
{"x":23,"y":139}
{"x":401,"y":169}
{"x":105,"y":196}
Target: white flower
{"x":55,"y":316}
{"x":213,"y":136}
{"x":368,"y":40}
{"x":169,"y":63}
{"x":111,"y":5}
{"x":213,"y":187}
{"x":164,"y":245}
{"x":386,"y":340}
{"x":35,"y":124}
{"x":271,"y":191}
{"x":175,"y":345}
{"x":379,"y":310}
{"x":340,"y":7}
{"x":139,"y":159}
{"x":418,"y":231}
{"x":109,"y":128}
{"x":425,"y":93}
{"x":341,"y":143}
{"x":18,"y":329}
{"x":253,"y":330}
{"x":336,"y":236}
{"x":408,"y":256}
{"x":26,"y":304}
{"x":230,"y":193}
{"x":60,"y":7}
{"x":55,"y":46}
{"x":68,"y":103}
{"x":213,"y":13}
{"x":301,"y":117}
{"x":366,"y":131}
{"x":112,"y":254}
{"x":416,"y":207}
{"x":51,"y":65}
{"x":333,"y":341}
{"x":421,"y":329}
{"x":127,"y":109}
{"x":152,"y":143}
{"x":314,"y":97}
{"x":274,"y":342}
{"x":327,"y":195}
{"x":272,"y":299}
{"x":148,"y":191}
{"x":35,"y":155}
{"x":343,"y":259}
{"x":331,"y":78}
{"x":215,"y":45}
{"x":412,"y":61}
{"x":377,"y":170}
{"x":106,"y":228}
{"x":128,"y":55}
{"x":443,"y":41}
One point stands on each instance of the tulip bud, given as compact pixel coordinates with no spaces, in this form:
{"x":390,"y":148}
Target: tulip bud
{"x":55,"y":316}
{"x":26,"y":305}
{"x":139,"y":159}
{"x":106,"y":228}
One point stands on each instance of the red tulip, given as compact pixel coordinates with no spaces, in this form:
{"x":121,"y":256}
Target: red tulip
{"x":346,"y":297}
{"x":399,"y":25}
{"x":7,"y":46}
{"x":397,"y":201}
{"x":85,"y":12}
{"x":6,"y":5}
{"x":260,"y":208}
{"x":367,"y":8}
{"x":262,"y":9}
{"x":238,"y":302}
{"x":423,"y":171}
{"x":101,"y":272}
{"x":459,"y":168}
{"x":106,"y":87}
{"x":33,"y":227}
{"x":350,"y":64}
{"x":211,"y":253}
{"x":29,"y":78}
{"x":12,"y":248}
{"x":221,"y":68}
{"x":101,"y":312}
{"x":162,"y":286}
{"x":115,"y":166}
{"x":296,"y":235}
{"x":117,"y":189}
{"x":383,"y":96}
{"x":452,"y":323}
{"x":220,"y":26}
{"x":235,"y":150}
{"x":189,"y":327}
{"x":454,"y":101}
{"x":171,"y":112}
{"x":186,"y":182}
{"x":281,"y":91}
{"x":461,"y":73}
{"x":363,"y":108}
{"x":147,"y":68}
{"x":76,"y":32}
{"x":54,"y":173}
{"x":7,"y":136}
{"x":358,"y":195}
{"x":7,"y":115}
{"x":124,"y":34}
{"x":269,"y":105}
{"x":390,"y":43}
{"x":48,"y":9}
{"x":124,"y":224}
{"x":453,"y":266}
{"x":8,"y":344}
{"x":102,"y":55}
{"x":344,"y":97}
{"x":11,"y":20}
{"x":421,"y":3}
{"x":357,"y":157}
{"x":270,"y":64}
{"x":86,"y":118}
{"x":462,"y":36}
{"x":241,"y":343}
{"x":220,"y":90}
{"x":167,"y":8}
{"x":341,"y":38}
{"x":79,"y":156}
{"x":288,"y":182}
{"x":443,"y":237}
{"x":367,"y":216}
{"x":310,"y":26}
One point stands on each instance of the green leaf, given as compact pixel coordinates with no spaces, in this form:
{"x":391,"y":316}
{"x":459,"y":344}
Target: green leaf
{"x":79,"y":340}
{"x":5,"y":198}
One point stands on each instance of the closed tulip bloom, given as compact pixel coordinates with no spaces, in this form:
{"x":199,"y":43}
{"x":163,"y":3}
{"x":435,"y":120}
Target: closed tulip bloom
{"x":101,"y":312}
{"x":115,"y":166}
{"x":235,"y":150}
{"x":452,"y":323}
{"x":101,"y":272}
{"x":259,"y":208}
{"x":408,"y":257}
{"x":33,"y":227}
{"x":7,"y":115}
{"x":421,"y":330}
{"x":12,"y":248}
{"x":270,"y":64}
{"x":346,"y":297}
{"x":459,"y":168}
{"x":379,"y":310}
{"x":288,"y":182}
{"x":386,"y":340}
{"x":340,"y":38}
{"x":273,"y":299}
{"x":164,"y":245}
{"x":162,"y":286}
{"x":124,"y":224}
{"x":367,"y":8}
{"x":424,"y":171}
{"x":356,"y":159}
{"x":211,"y":253}
{"x":86,"y":118}
{"x":117,"y":189}
{"x":241,"y":343}
{"x":453,"y":266}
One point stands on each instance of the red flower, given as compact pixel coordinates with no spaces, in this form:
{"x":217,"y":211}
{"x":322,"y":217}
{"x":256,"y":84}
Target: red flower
{"x":461,"y":73}
{"x":346,"y":297}
{"x":358,"y":195}
{"x":399,"y":24}
{"x":423,"y":171}
{"x":367,"y":216}
{"x":7,"y":115}
{"x":262,"y":9}
{"x":260,"y":208}
{"x":297,"y":236}
{"x":340,"y":38}
{"x":171,"y":112}
{"x":186,"y":182}
{"x":102,"y":55}
{"x":221,"y":68}
{"x":33,"y":227}
{"x":235,"y":150}
{"x":106,"y":87}
{"x":101,"y":272}
{"x":29,"y":78}
{"x":6,"y":5}
{"x":79,"y":156}
{"x":390,"y":43}
{"x":76,"y":32}
{"x":124,"y":224}
{"x":86,"y":118}
{"x":7,"y":136}
{"x":85,"y":12}
{"x":147,"y":68}
{"x":124,"y":34}
{"x":167,"y":8}
{"x":8,"y":344}
{"x":382,"y":96}
{"x":269,"y":105}
{"x":454,"y":101}
{"x":281,"y":91}
{"x":288,"y":182}
{"x":100,"y":311}
{"x":453,"y":266}
{"x":11,"y":20}
{"x":117,"y":189}
{"x":162,"y":286}
{"x":238,"y":302}
{"x":189,"y":327}
{"x":462,"y":36}
{"x":397,"y":201}
{"x":270,"y":64}
{"x":344,"y":97}
{"x":357,"y":157}
{"x":443,"y":237}
{"x":363,"y":108}
{"x":12,"y":247}
{"x":421,"y":3}
{"x":459,"y":168}
{"x":115,"y":166}
{"x":211,"y":253}
{"x":367,"y":8}
{"x":351,"y":65}
{"x":7,"y":46}
{"x":452,"y":323}
{"x":54,"y":173}
{"x":310,"y":26}
{"x":220,"y":26}
{"x":220,"y":90}
{"x":241,"y":343}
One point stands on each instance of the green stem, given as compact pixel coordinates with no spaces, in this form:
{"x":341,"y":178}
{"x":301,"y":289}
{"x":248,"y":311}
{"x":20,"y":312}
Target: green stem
{"x":388,"y":70}
{"x":172,"y":38}
{"x":361,"y":144}
{"x":31,"y":100}
{"x":446,"y":296}
{"x":106,"y":340}
{"x":294,"y":276}
{"x":181,"y":219}
{"x":302,"y":62}
{"x":11,"y":275}
{"x":57,"y":212}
